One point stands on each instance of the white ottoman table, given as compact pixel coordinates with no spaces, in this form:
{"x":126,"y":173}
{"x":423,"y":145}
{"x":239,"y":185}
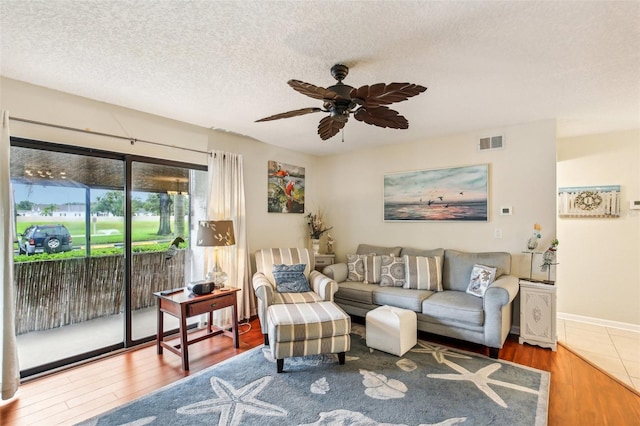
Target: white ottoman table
{"x":390,"y":329}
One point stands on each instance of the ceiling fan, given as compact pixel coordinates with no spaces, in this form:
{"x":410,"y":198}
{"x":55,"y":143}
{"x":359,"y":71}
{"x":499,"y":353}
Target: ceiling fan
{"x":366,"y":103}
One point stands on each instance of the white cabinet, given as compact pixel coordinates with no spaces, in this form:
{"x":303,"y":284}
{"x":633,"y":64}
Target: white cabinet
{"x":538,"y":313}
{"x":323,"y":260}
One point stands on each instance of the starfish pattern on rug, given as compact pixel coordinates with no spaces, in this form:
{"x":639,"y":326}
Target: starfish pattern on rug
{"x":482,"y":381}
{"x":233,"y":403}
{"x":438,"y":352}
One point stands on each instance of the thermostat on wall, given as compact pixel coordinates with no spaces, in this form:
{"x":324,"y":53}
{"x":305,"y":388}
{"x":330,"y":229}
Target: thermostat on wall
{"x":634,"y":204}
{"x":505,"y":211}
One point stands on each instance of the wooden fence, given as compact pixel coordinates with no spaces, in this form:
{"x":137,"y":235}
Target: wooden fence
{"x":55,"y":293}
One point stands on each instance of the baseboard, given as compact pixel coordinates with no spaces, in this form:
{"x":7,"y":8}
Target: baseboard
{"x":598,"y":321}
{"x":515,"y":329}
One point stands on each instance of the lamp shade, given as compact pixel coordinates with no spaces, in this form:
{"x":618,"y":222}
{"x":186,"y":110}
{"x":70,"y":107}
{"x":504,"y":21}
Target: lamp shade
{"x":215,"y":233}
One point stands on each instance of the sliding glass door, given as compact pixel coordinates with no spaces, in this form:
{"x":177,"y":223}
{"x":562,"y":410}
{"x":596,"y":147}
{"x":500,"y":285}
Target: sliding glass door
{"x":94,"y":232}
{"x":160,"y":237}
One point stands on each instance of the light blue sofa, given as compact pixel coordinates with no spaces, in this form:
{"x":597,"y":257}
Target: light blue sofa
{"x":451,"y":312}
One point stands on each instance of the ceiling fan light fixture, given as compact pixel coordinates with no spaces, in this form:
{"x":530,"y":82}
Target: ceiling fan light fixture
{"x":340,"y":100}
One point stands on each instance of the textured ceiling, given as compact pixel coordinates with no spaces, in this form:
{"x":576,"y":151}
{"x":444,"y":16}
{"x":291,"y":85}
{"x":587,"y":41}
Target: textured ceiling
{"x":224,"y":64}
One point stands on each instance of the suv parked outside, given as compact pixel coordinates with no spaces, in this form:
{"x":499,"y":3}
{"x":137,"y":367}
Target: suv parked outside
{"x":45,"y":239}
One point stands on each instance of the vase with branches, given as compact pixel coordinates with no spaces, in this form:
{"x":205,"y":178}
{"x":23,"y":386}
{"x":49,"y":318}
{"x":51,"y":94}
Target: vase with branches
{"x":317,"y":227}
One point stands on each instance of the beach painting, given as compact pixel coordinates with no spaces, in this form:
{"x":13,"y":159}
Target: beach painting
{"x":450,"y":194}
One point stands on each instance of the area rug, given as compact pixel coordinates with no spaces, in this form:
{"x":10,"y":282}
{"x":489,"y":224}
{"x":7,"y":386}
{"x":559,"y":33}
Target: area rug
{"x":429,"y":385}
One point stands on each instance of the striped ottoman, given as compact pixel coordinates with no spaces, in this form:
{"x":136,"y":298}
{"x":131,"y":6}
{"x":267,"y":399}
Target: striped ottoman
{"x":300,"y":329}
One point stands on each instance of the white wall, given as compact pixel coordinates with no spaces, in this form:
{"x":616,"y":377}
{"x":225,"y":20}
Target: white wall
{"x":270,"y":229}
{"x":600,"y":258}
{"x":40,"y":104}
{"x":522,"y":176}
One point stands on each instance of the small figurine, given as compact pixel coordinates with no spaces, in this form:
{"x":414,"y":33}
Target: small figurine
{"x":549,"y":256}
{"x":532,"y":243}
{"x":330,"y":241}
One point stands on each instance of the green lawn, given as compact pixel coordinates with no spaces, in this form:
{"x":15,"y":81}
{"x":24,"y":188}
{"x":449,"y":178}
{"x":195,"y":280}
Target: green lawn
{"x":105,"y":232}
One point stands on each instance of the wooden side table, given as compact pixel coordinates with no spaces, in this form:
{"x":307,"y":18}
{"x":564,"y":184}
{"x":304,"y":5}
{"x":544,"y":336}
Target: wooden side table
{"x":538,"y":313}
{"x":183,"y":305}
{"x":323,"y":260}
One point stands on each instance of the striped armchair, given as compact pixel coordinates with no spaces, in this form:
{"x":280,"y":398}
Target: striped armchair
{"x":264,"y":284}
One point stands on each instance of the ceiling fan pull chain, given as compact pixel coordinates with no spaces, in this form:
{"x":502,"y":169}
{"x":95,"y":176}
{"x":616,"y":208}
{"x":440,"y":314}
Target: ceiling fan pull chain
{"x":343,"y":135}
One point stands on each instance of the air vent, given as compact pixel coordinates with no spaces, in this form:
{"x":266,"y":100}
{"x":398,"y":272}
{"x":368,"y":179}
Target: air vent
{"x":491,"y":142}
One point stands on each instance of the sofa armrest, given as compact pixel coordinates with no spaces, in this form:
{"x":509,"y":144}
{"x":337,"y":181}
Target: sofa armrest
{"x":501,"y":292}
{"x":338,"y":272}
{"x":323,"y":285}
{"x":263,"y":288}
{"x":498,"y":309}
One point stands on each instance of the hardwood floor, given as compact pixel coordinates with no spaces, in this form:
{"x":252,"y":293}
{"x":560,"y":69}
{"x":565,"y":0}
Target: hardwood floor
{"x":580,"y":394}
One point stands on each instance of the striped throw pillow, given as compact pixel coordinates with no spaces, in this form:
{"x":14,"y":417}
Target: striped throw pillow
{"x":372,"y":269}
{"x":423,"y":273}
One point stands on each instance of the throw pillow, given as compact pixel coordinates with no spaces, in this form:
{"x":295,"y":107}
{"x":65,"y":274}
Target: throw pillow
{"x":372,"y":269}
{"x":391,"y":271}
{"x":423,"y":273}
{"x":355,"y":266}
{"x":290,"y":278}
{"x":481,"y":278}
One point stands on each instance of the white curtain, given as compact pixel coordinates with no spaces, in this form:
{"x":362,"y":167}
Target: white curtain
{"x":226,"y":201}
{"x":9,"y":354}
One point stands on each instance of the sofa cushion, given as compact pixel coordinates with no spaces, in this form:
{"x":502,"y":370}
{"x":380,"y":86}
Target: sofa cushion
{"x":392,"y":271}
{"x":356,"y":292}
{"x":423,"y":273}
{"x":458,"y":265}
{"x":355,"y":264}
{"x":290,"y":278}
{"x":400,"y":297}
{"x":372,"y":269}
{"x":455,"y":306}
{"x":481,"y":278}
{"x":410,"y":251}
{"x":305,"y":297}
{"x":380,"y":250}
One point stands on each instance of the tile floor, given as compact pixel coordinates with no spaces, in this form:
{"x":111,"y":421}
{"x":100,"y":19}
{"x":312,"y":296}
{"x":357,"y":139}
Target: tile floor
{"x":613,"y":350}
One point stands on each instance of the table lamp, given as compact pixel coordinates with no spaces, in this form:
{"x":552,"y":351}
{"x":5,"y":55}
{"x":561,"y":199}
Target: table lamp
{"x":216,"y":233}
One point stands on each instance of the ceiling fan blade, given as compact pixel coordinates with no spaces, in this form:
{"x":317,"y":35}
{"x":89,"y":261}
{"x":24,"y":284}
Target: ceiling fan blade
{"x":315,"y":92}
{"x":329,"y":127}
{"x":288,"y":114}
{"x":385,"y":94}
{"x":381,"y":117}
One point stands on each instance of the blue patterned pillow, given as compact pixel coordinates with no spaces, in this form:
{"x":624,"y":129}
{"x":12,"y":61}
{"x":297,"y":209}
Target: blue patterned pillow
{"x":290,"y":278}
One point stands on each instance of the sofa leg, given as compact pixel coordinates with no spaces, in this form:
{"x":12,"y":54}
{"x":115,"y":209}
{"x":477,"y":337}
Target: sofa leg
{"x":280,"y":363}
{"x":494,"y":352}
{"x":266,"y":340}
{"x":341,"y":358}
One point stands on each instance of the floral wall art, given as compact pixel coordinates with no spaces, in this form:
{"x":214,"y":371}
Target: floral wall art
{"x":285,"y":188}
{"x":449,"y":194}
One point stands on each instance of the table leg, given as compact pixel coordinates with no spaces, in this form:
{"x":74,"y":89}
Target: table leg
{"x":160,"y":334}
{"x":184,"y":346}
{"x":234,"y":325}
